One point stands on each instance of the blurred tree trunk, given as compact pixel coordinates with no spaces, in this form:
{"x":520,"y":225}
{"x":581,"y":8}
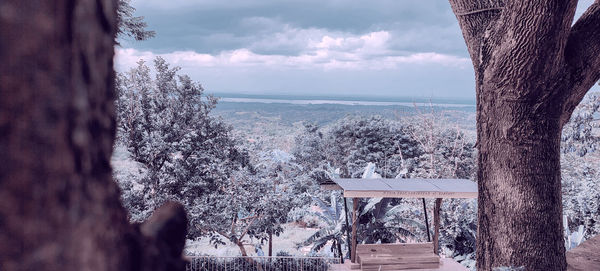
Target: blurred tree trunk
{"x":59,"y":207}
{"x":532,"y":67}
{"x":270,"y":242}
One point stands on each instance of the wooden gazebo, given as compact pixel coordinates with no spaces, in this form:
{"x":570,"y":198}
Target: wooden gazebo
{"x":400,"y":256}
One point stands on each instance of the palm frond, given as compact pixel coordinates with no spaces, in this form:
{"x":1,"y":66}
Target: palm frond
{"x":370,"y":205}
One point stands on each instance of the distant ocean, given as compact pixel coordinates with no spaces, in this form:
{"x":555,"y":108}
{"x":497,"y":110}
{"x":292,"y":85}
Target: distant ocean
{"x":321,"y":100}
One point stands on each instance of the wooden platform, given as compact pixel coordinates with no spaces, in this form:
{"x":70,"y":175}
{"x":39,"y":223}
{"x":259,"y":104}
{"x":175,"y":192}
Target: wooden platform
{"x":446,"y":264}
{"x":377,"y":257}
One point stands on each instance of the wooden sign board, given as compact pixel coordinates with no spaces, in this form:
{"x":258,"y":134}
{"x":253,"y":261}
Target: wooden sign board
{"x":409,"y":194}
{"x":408,"y":188}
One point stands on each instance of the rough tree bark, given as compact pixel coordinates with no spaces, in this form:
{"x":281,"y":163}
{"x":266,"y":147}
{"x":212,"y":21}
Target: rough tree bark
{"x":59,"y":207}
{"x":532,"y":67}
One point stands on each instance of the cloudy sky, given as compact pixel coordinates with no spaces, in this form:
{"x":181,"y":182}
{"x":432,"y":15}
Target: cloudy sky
{"x":314,"y":47}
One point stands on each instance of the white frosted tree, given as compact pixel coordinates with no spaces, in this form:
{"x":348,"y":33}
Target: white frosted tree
{"x":580,"y":161}
{"x":188,"y":155}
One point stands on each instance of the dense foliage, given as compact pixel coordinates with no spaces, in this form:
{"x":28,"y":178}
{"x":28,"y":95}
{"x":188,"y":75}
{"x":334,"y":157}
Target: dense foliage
{"x":239,"y":190}
{"x":190,"y":156}
{"x":580,"y":164}
{"x":375,"y":147}
{"x":355,"y":141}
{"x":187,"y":155}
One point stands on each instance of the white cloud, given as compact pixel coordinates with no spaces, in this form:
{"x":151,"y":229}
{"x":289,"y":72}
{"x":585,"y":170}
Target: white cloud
{"x":318,"y":49}
{"x":431,"y":58}
{"x":177,"y":4}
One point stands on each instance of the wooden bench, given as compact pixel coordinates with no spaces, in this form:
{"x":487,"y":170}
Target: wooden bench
{"x":397,"y":256}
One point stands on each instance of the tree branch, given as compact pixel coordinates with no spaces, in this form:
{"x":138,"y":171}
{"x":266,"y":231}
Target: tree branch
{"x":478,"y":10}
{"x":248,"y":227}
{"x":248,"y":218}
{"x":582,"y":55}
{"x":228,"y":237}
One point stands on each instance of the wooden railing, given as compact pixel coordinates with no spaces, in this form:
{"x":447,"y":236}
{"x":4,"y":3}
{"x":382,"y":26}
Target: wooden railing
{"x":262,"y":263}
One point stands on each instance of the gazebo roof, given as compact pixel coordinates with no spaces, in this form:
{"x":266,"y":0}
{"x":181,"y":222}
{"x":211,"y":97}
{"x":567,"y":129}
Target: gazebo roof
{"x":404,"y":188}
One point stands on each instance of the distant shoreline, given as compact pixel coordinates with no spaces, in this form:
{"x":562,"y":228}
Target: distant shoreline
{"x":338,"y":102}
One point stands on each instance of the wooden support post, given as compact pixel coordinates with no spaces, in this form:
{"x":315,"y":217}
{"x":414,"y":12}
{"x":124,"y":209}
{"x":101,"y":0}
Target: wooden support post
{"x":426,"y":221}
{"x":347,"y":228}
{"x":339,"y":248}
{"x":354,"y":228}
{"x":436,"y":226}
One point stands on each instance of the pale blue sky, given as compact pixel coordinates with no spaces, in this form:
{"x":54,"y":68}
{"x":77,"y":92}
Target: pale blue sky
{"x":313,"y":47}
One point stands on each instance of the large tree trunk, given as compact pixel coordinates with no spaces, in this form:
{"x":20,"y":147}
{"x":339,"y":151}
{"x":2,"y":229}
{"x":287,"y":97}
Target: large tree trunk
{"x":59,"y":207}
{"x":519,"y":187}
{"x":532,"y":67}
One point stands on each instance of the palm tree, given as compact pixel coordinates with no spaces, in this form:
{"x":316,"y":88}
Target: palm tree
{"x":384,"y":220}
{"x":332,"y":215}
